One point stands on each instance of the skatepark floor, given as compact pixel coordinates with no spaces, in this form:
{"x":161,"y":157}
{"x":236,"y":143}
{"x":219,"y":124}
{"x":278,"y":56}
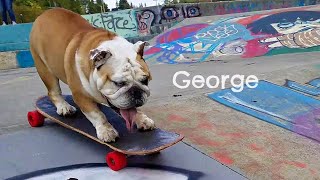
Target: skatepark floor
{"x":220,"y":143}
{"x":217,"y":138}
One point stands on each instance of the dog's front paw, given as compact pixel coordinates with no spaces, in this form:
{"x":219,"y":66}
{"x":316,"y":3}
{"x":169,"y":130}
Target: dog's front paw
{"x":145,"y":123}
{"x":65,"y":109}
{"x":107,"y":133}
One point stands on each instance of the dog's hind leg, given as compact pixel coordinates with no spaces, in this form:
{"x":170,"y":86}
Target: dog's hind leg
{"x":53,"y":86}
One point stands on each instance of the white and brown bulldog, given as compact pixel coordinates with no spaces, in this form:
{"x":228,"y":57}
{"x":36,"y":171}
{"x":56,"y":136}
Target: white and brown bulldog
{"x":98,"y":66}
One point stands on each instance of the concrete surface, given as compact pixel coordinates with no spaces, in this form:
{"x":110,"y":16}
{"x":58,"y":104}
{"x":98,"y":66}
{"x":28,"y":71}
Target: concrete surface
{"x":53,"y":146}
{"x":8,"y":60}
{"x":17,"y":44}
{"x":251,"y":147}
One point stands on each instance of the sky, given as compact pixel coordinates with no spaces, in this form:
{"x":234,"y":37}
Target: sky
{"x":112,"y":3}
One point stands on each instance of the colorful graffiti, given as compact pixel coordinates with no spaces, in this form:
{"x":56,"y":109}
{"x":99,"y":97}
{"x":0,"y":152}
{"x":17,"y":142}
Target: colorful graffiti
{"x":246,"y":37}
{"x":139,"y":22}
{"x":121,"y":22}
{"x":192,"y":11}
{"x":145,"y":20}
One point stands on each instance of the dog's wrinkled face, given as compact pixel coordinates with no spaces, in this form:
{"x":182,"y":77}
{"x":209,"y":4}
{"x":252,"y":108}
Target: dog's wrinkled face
{"x":120,"y":72}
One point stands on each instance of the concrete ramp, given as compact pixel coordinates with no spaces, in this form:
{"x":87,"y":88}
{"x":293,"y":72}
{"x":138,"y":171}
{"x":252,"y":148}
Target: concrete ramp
{"x":249,"y":35}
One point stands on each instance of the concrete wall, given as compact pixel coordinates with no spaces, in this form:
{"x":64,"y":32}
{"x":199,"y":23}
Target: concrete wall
{"x":135,"y":24}
{"x":14,"y":46}
{"x":156,"y":19}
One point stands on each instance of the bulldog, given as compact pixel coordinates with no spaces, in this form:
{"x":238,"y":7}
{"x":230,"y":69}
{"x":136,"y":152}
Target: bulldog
{"x":99,"y":67}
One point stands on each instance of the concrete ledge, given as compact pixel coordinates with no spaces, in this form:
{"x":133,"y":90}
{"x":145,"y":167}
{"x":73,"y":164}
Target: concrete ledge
{"x":8,"y":60}
{"x":24,"y":59}
{"x":16,"y":59}
{"x":15,"y":37}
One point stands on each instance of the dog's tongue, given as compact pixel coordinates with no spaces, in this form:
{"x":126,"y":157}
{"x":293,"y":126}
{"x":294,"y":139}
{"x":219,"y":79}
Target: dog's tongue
{"x":129,"y":116}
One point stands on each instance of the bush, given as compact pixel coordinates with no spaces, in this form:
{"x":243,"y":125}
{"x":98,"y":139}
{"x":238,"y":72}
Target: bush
{"x":27,"y":11}
{"x":26,"y":14}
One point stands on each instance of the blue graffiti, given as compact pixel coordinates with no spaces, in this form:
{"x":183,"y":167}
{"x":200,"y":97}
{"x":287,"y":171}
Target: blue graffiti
{"x":204,"y":42}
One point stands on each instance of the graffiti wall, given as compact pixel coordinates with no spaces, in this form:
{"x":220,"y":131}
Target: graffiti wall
{"x":122,"y":22}
{"x":154,"y":20}
{"x":246,"y":37}
{"x":149,"y":18}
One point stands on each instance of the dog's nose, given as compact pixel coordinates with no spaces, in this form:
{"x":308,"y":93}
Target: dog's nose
{"x":136,"y":93}
{"x":139,"y":102}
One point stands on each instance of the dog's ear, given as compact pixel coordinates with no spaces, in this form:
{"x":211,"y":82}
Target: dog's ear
{"x":139,"y":47}
{"x":99,"y":57}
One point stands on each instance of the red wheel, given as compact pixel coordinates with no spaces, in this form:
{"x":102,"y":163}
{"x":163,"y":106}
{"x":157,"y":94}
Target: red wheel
{"x":116,"y":161}
{"x":35,"y":119}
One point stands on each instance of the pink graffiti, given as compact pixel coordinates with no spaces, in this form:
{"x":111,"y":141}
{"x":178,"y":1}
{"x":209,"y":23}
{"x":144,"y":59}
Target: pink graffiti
{"x":145,"y":20}
{"x":253,"y":49}
{"x":180,"y":33}
{"x":152,"y":50}
{"x":307,"y":124}
{"x":221,"y":10}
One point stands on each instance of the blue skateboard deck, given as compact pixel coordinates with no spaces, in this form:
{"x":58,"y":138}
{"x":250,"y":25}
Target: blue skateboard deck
{"x":131,"y":143}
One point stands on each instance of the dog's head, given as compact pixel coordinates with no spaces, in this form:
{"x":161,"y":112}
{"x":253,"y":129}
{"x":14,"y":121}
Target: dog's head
{"x":120,"y":73}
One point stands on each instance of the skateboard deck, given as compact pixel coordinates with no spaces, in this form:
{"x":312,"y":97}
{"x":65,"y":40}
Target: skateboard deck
{"x":130,"y":143}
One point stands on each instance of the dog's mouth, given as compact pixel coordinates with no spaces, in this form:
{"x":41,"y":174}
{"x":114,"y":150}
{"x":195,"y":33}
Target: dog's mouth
{"x":128,"y":115}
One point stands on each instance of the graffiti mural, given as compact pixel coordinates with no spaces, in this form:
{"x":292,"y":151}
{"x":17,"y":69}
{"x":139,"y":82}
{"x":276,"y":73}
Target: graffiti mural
{"x":145,"y":20}
{"x":246,"y":37}
{"x":192,"y":11}
{"x":139,"y":22}
{"x":169,"y":13}
{"x":121,"y":22}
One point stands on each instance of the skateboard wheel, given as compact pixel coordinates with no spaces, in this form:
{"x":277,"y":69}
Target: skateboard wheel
{"x":35,"y":119}
{"x":116,"y":161}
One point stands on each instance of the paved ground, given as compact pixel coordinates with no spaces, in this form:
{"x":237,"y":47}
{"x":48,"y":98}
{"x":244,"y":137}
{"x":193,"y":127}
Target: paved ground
{"x":260,"y":150}
{"x":251,"y":147}
{"x":53,"y":146}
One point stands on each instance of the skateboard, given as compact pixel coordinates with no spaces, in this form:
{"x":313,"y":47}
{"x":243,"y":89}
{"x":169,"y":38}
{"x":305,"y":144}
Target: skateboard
{"x":129,"y":142}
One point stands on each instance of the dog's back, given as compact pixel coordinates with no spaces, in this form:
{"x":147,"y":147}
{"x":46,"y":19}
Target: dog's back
{"x":50,"y":35}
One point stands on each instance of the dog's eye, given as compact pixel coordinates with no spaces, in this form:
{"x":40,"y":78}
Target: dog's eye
{"x":119,"y":84}
{"x":144,"y":81}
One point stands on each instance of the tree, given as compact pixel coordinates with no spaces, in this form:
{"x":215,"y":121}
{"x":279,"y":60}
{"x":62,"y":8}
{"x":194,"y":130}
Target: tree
{"x":93,"y":8}
{"x":103,"y":5}
{"x":123,"y":4}
{"x":28,"y":10}
{"x":117,"y":4}
{"x":189,"y":1}
{"x":175,"y":2}
{"x":167,"y":2}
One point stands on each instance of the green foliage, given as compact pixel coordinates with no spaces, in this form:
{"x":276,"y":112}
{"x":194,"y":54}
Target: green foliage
{"x":123,"y":4}
{"x":95,"y":7}
{"x":167,"y":2}
{"x":25,"y":14}
{"x":28,"y":10}
{"x":197,"y":1}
